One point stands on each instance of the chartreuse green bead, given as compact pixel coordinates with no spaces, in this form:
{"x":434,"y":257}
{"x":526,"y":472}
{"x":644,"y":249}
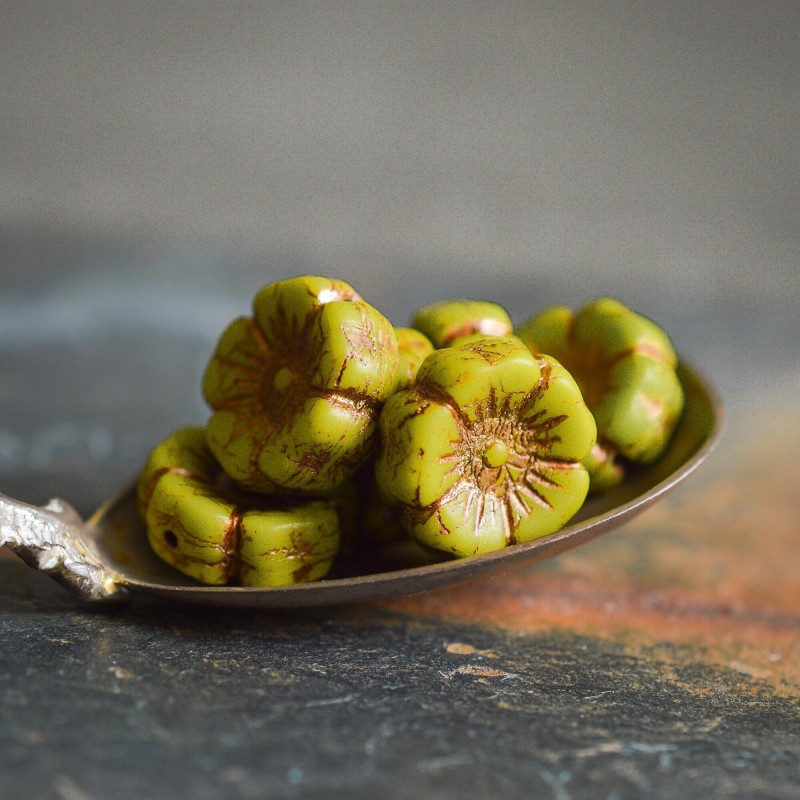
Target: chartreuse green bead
{"x":289,"y":545}
{"x":413,"y":347}
{"x":445,"y":322}
{"x":185,"y":447}
{"x":485,"y":449}
{"x":296,"y":389}
{"x":605,"y":468}
{"x":625,"y":365}
{"x":202,"y":525}
{"x":415,"y":463}
{"x":378,"y":524}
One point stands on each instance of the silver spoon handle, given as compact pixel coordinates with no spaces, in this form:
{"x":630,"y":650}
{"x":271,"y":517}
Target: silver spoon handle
{"x":52,"y":539}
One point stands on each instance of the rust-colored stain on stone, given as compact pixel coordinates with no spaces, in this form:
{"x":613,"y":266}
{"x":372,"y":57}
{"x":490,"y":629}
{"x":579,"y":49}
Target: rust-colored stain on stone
{"x":710,"y":574}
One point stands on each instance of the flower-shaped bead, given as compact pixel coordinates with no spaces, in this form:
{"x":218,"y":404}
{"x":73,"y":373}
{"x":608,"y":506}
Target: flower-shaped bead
{"x":625,"y":366}
{"x":199,"y":522}
{"x":485,"y":449}
{"x":297,"y":388}
{"x":413,"y":347}
{"x":447,"y":321}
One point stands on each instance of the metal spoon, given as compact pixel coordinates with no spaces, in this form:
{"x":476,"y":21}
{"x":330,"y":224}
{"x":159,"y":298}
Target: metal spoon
{"x":108,"y":558}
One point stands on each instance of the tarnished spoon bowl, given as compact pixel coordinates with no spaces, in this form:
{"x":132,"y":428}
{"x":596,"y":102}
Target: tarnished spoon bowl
{"x":108,"y":558}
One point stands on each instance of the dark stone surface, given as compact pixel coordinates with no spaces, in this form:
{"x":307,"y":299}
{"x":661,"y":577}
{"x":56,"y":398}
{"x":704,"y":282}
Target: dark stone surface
{"x":157,"y":702}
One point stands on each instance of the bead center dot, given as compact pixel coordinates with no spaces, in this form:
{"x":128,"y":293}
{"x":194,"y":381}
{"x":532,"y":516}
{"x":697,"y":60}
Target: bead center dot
{"x":496,"y":454}
{"x":283,"y":377}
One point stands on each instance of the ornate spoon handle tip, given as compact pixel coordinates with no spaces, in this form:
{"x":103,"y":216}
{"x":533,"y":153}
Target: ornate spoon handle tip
{"x":53,"y":539}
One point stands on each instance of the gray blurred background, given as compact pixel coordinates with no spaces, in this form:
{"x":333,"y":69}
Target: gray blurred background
{"x":160,"y":161}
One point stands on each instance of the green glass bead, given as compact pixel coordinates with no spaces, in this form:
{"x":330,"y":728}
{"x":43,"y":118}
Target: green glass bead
{"x":485,"y":449}
{"x":378,"y":523}
{"x":606,"y":469}
{"x":625,"y":365}
{"x":444,"y":323}
{"x":296,"y":389}
{"x":413,"y":347}
{"x":199,"y":522}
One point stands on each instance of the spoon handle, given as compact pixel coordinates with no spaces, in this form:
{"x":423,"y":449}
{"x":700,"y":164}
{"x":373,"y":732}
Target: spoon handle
{"x":53,"y":539}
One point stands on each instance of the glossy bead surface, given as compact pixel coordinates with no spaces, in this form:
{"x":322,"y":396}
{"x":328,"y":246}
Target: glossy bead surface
{"x":445,"y":322}
{"x":296,"y":389}
{"x":199,"y":522}
{"x":485,"y":449}
{"x":413,"y":347}
{"x":625,"y":365}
